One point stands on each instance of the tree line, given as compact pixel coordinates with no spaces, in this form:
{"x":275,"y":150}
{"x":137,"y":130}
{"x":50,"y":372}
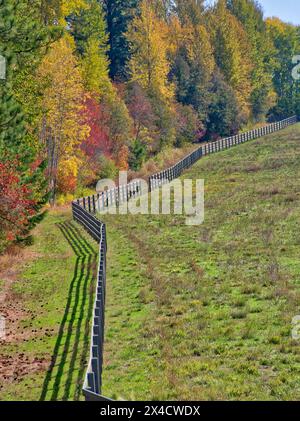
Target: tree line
{"x":97,"y":86}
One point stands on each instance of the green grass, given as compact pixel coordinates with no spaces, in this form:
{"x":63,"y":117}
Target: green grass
{"x":205,"y":312}
{"x":54,"y":293}
{"x":192,"y":312}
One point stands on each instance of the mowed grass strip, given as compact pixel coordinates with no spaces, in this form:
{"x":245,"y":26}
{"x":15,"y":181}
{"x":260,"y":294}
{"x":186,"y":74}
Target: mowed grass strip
{"x":47,"y":348}
{"x":205,"y":312}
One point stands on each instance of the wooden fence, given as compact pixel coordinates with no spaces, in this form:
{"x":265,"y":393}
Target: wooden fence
{"x":97,"y":230}
{"x":113,"y":197}
{"x":85,"y":210}
{"x":163,"y":177}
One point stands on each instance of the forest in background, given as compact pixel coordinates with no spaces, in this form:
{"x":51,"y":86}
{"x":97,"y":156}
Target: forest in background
{"x":97,"y":86}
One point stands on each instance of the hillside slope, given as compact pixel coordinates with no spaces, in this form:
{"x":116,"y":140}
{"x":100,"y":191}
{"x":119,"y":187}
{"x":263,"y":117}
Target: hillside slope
{"x":205,"y":312}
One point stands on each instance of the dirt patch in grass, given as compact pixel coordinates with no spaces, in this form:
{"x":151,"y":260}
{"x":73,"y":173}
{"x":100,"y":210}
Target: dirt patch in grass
{"x":12,"y":264}
{"x":13,"y":369}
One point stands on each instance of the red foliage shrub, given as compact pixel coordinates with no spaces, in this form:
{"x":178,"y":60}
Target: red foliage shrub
{"x":16,"y":203}
{"x":98,"y":143}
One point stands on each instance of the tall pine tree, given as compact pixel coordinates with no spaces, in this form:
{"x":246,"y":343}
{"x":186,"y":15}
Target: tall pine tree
{"x":11,"y":118}
{"x":119,"y":14}
{"x":23,"y":39}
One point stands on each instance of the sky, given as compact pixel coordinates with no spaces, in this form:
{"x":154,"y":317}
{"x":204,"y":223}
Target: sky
{"x":286,"y":10}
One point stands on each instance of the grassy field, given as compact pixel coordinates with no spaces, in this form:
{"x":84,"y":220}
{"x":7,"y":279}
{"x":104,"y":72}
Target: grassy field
{"x":205,"y":312}
{"x":47,"y":297}
{"x":192,"y":312}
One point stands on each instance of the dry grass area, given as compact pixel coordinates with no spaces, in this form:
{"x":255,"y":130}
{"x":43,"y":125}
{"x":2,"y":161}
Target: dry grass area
{"x":169,"y":157}
{"x":165,"y":159}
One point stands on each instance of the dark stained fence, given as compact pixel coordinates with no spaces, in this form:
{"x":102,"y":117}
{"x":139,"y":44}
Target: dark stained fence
{"x":84,"y":211}
{"x":90,"y":223}
{"x":97,"y":230}
{"x":164,"y":177}
{"x":122,"y":194}
{"x":113,"y":197}
{"x":93,"y":382}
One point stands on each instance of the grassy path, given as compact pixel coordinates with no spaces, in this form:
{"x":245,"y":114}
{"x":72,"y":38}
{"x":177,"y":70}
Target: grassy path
{"x":215,"y":302}
{"x":55,"y":290}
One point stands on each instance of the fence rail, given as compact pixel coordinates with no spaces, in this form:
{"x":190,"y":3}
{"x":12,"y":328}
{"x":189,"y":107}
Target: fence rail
{"x":93,"y":380}
{"x":113,"y":197}
{"x":85,"y":210}
{"x":163,"y":177}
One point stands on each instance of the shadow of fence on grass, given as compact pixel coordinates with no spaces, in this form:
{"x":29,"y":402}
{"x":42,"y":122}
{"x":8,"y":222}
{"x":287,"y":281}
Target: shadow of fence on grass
{"x":65,"y":374}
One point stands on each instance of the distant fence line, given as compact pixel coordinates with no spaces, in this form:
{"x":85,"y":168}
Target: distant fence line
{"x":174,"y":172}
{"x":85,"y":210}
{"x":122,"y":194}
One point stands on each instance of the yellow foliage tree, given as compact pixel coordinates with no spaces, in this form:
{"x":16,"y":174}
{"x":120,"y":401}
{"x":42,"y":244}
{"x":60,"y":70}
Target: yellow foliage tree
{"x":95,"y":70}
{"x":67,"y":174}
{"x":232,"y":54}
{"x":194,"y":38}
{"x":54,"y":11}
{"x":62,"y":128}
{"x":72,"y":6}
{"x":149,"y":65}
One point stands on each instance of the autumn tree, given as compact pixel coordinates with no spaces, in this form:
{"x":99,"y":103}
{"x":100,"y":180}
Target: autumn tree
{"x":98,"y":142}
{"x":162,"y":8}
{"x":190,"y":11}
{"x":250,"y":14}
{"x":232,"y":51}
{"x":193,"y":63}
{"x":285,"y":38}
{"x":141,"y":112}
{"x":88,"y":28}
{"x":57,"y":11}
{"x":119,"y":125}
{"x":63,"y":129}
{"x":145,"y":130}
{"x":149,"y":65}
{"x":188,"y":125}
{"x":17,"y":205}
